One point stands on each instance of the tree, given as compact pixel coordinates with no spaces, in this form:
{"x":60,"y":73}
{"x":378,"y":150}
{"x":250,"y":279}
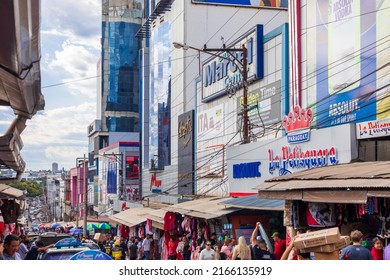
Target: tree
{"x":33,"y":188}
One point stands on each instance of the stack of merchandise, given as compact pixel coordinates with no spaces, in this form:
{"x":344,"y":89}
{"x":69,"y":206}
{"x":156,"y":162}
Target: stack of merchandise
{"x":323,"y":244}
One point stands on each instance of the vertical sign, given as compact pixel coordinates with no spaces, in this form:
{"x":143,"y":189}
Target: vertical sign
{"x":186,"y":153}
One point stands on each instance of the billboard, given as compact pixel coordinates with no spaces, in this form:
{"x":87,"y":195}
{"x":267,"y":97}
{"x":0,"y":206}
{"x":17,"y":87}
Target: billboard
{"x":132,"y":167}
{"x":210,"y":123}
{"x":222,"y":73}
{"x":264,"y":106}
{"x":186,"y":153}
{"x":349,"y":59}
{"x":281,"y":4}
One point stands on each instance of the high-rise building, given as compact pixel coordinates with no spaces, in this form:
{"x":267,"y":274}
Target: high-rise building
{"x":118,"y":99}
{"x":119,"y":70}
{"x":54,"y":167}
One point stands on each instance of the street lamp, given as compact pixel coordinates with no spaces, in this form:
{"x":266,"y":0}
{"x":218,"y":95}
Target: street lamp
{"x":243,"y":68}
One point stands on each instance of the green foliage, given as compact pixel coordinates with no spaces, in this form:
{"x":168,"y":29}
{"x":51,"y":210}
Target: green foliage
{"x":33,"y":188}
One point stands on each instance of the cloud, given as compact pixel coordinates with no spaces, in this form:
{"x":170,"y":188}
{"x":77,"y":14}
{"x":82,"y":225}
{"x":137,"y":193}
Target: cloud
{"x":76,"y":63}
{"x":79,"y":20}
{"x":71,"y":32}
{"x":58,"y":135}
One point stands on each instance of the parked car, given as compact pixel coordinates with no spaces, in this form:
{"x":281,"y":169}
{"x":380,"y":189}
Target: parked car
{"x":91,"y":245}
{"x":63,"y":250}
{"x":52,"y":237}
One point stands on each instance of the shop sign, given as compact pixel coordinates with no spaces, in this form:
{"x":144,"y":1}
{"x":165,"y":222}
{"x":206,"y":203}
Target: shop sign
{"x":297,"y":125}
{"x":297,"y":159}
{"x":246,"y":170}
{"x":281,"y":4}
{"x":373,"y":129}
{"x":155,"y":185}
{"x":210,"y":123}
{"x":185,"y":147}
{"x":221,"y":73}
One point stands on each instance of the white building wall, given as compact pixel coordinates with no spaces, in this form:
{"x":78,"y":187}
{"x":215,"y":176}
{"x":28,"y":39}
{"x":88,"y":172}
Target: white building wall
{"x":212,"y":28}
{"x":197,"y":25}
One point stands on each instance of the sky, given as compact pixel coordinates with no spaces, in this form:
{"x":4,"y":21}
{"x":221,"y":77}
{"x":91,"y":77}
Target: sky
{"x":70,"y":50}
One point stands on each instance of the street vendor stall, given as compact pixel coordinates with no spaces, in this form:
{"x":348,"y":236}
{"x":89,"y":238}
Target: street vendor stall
{"x":11,"y":208}
{"x":348,"y":197}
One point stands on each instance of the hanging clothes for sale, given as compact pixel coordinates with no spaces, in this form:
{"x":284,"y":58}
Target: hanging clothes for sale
{"x":169,"y":221}
{"x":321,"y":214}
{"x":2,"y":225}
{"x":10,"y":210}
{"x":124,"y":231}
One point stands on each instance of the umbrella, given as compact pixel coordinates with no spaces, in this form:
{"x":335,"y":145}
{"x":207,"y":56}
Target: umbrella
{"x":60,"y":229}
{"x":76,"y":231}
{"x":92,"y":226}
{"x":104,"y":226}
{"x":42,"y":225}
{"x":55,"y":225}
{"x":91,"y":255}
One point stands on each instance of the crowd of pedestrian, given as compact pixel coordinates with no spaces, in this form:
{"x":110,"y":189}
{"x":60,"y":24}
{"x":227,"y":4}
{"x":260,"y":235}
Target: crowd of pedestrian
{"x":155,"y":247}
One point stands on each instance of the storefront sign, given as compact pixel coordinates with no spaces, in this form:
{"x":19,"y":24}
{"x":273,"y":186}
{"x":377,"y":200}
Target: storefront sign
{"x":373,"y":129}
{"x":155,"y":185}
{"x":296,"y":158}
{"x":297,"y":125}
{"x":329,"y":146}
{"x":219,"y":74}
{"x":280,"y":4}
{"x":246,"y":170}
{"x":210,"y":123}
{"x":186,"y":153}
{"x":264,"y":105}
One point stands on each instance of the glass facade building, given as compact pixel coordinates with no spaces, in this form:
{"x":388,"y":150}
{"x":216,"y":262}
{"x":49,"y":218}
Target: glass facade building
{"x":160,"y":97}
{"x":120,"y":67}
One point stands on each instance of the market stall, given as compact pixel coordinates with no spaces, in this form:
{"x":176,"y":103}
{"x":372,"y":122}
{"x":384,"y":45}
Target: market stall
{"x":350,"y":197}
{"x":11,"y":209}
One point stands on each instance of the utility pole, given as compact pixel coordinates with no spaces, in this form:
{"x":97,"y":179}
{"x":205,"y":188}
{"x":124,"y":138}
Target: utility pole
{"x":245,"y":131}
{"x":243,"y":68}
{"x":77,"y":194}
{"x":85,"y":165}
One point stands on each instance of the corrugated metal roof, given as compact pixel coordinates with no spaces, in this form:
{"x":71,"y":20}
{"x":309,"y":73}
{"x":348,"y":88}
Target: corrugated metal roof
{"x":9,"y":191}
{"x":130,"y":217}
{"x":254,"y":202}
{"x":206,"y":208}
{"x":323,"y":183}
{"x":358,"y":170}
{"x":354,"y":177}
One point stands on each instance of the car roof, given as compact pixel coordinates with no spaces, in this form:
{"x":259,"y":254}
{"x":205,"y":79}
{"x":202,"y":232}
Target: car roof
{"x":62,"y":253}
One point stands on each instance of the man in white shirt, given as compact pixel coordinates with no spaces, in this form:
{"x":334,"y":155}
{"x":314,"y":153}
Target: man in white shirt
{"x":208,"y":253}
{"x":11,"y":247}
{"x":146,"y":247}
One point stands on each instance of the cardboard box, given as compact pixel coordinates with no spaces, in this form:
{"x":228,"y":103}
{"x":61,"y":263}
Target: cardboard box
{"x":317,"y":238}
{"x":326,"y":256}
{"x":99,"y":237}
{"x":343,"y":242}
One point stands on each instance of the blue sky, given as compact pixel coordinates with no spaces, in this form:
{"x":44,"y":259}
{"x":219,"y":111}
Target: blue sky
{"x":70,"y":49}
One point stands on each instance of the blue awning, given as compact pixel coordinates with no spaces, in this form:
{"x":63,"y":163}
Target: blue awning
{"x":254,"y":202}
